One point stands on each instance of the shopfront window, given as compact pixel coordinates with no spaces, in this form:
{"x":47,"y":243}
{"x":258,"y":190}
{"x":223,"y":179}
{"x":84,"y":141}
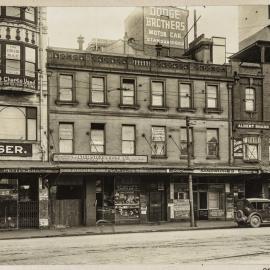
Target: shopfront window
{"x":98,"y":90}
{"x":212,"y":143}
{"x":252,"y":148}
{"x":66,"y":138}
{"x":13,"y":59}
{"x":128,"y":92}
{"x":30,"y":62}
{"x":97,"y":138}
{"x":128,"y":140}
{"x":18,"y":123}
{"x":66,"y":87}
{"x":158,"y":94}
{"x":158,"y":141}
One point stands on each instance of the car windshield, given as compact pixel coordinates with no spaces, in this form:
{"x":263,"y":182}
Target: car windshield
{"x":241,"y":204}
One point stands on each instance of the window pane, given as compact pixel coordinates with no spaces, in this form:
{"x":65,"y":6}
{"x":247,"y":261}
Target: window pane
{"x":128,"y":100}
{"x":97,"y":84}
{"x":65,"y":146}
{"x":31,"y":129}
{"x":66,"y":131}
{"x":185,"y":102}
{"x":65,"y":94}
{"x":128,"y":147}
{"x":127,"y":93}
{"x":157,"y":88}
{"x":97,"y":148}
{"x":158,"y":148}
{"x":212,"y":91}
{"x":158,"y":134}
{"x":249,"y":105}
{"x":157,"y":100}
{"x":13,"y":123}
{"x":213,"y":198}
{"x":97,"y":136}
{"x":211,"y":103}
{"x":30,"y":55}
{"x":251,"y":151}
{"x":65,"y":81}
{"x":30,"y":14}
{"x":13,"y":12}
{"x":13,"y":52}
{"x":97,"y":97}
{"x":13,"y":67}
{"x":128,"y":133}
{"x":212,"y":135}
{"x":30,"y":69}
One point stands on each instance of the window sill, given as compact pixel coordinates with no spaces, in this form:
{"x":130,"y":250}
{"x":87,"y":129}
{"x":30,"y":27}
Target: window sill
{"x":156,"y":108}
{"x":212,"y":157}
{"x":213,"y":110}
{"x":251,"y":160}
{"x":60,"y":102}
{"x":185,"y":157}
{"x":159,"y":157}
{"x":98,"y":105}
{"x":179,"y":109}
{"x":129,"y":107}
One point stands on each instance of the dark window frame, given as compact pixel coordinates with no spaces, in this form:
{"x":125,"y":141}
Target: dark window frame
{"x":185,"y":142}
{"x":73,"y":100}
{"x":134,"y":141}
{"x":254,"y":101}
{"x":216,"y":109}
{"x":217,"y":156}
{"x":163,"y":107}
{"x":3,"y":15}
{"x":123,"y":105}
{"x":191,"y":107}
{"x":105,"y":103}
{"x":104,"y":138}
{"x":155,"y":155}
{"x":73,"y":131}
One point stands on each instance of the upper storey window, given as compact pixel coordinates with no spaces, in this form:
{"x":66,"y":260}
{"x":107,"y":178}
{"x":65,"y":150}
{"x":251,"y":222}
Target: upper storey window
{"x":13,"y":59}
{"x":22,"y":13}
{"x":13,"y":12}
{"x":250,"y":99}
{"x":30,"y":61}
{"x":30,"y":14}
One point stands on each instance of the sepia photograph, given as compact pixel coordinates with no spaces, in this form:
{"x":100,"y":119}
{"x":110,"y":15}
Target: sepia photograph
{"x":135,"y":135}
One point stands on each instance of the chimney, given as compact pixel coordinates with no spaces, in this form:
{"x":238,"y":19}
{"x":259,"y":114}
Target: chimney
{"x":80,"y":42}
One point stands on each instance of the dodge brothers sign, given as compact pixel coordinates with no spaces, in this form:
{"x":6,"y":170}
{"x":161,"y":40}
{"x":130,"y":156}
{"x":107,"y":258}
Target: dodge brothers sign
{"x":16,"y":149}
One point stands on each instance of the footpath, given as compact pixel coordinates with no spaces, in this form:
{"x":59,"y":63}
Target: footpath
{"x":113,"y":229}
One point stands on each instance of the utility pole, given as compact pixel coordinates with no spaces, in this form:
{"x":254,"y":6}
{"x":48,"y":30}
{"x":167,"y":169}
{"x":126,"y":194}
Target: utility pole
{"x":190,"y":187}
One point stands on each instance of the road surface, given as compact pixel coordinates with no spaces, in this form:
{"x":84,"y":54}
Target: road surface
{"x":226,"y":246}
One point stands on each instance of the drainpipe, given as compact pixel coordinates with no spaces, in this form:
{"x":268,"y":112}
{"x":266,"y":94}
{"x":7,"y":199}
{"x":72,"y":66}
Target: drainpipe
{"x":230,"y":108}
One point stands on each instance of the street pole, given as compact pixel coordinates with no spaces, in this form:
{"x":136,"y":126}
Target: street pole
{"x":190,"y":187}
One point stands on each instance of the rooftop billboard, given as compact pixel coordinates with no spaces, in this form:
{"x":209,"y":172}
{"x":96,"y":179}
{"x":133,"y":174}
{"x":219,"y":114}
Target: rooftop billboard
{"x":165,"y":25}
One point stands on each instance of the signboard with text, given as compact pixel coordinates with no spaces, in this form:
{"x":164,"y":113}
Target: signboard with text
{"x":99,"y":158}
{"x":165,"y":25}
{"x":15,"y":81}
{"x":16,"y":149}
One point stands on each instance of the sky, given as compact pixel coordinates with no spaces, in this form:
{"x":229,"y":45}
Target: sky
{"x":65,"y":24}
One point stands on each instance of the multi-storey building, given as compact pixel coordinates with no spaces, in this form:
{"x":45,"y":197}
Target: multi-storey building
{"x":23,"y":117}
{"x":118,"y":137}
{"x":251,"y":114}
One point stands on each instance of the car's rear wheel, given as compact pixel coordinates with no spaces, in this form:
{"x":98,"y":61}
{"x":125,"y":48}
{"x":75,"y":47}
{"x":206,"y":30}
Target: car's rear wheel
{"x":255,"y":221}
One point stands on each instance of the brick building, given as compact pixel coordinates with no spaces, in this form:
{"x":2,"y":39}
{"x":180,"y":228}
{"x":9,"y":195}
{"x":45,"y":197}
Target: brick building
{"x":23,"y":117}
{"x":251,"y":114}
{"x":118,"y":138}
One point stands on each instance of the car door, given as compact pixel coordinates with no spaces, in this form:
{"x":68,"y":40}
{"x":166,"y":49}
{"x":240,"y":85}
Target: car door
{"x":266,"y":211}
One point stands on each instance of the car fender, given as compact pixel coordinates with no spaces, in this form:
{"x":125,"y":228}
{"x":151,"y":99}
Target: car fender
{"x":253,"y":214}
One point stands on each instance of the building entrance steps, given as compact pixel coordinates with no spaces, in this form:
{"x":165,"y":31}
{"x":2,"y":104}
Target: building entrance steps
{"x":113,"y":229}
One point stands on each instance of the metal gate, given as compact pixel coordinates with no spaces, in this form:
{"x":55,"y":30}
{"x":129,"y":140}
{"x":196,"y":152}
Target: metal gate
{"x":28,"y":214}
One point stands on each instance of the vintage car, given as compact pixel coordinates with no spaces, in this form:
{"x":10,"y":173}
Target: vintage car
{"x":253,"y":212}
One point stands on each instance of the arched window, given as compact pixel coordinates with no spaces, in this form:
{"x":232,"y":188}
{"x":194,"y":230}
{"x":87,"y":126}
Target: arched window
{"x":13,"y":123}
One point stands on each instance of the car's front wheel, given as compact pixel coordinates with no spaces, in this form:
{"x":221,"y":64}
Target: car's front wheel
{"x":255,"y":221}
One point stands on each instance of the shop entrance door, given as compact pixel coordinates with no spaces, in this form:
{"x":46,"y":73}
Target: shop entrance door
{"x":203,"y":205}
{"x":155,"y":206}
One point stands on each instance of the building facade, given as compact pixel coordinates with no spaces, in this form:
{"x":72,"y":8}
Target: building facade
{"x":118,"y":138}
{"x":23,"y":117}
{"x":251,"y":115}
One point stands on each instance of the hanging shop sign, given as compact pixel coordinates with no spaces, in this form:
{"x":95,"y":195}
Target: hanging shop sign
{"x":238,"y":147}
{"x":16,"y":149}
{"x":100,"y":158}
{"x":15,"y":81}
{"x":165,"y":25}
{"x":253,"y":126}
{"x":13,"y":52}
